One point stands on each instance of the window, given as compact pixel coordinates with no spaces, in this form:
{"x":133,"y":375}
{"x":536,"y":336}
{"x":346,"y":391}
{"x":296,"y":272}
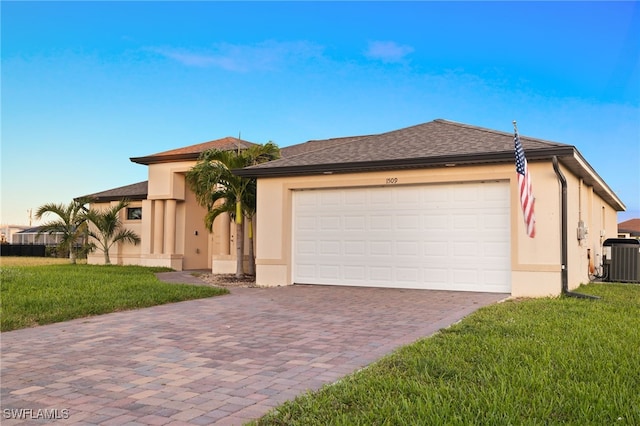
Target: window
{"x":134,"y":213}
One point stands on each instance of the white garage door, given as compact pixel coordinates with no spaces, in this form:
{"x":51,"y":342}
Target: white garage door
{"x":445,"y":237}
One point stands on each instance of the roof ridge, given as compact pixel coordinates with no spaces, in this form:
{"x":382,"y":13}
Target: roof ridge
{"x":498,"y":132}
{"x":191,"y":152}
{"x":225,"y":138}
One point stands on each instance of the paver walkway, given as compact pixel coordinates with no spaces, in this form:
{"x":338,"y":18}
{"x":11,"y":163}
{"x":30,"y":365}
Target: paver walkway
{"x":224,"y":360}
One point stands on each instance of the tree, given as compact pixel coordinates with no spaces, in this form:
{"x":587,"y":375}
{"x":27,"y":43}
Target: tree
{"x":70,"y":223}
{"x":255,"y":155}
{"x":220,"y":191}
{"x":109,"y":228}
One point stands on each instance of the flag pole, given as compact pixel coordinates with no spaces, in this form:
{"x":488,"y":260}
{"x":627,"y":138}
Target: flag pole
{"x":515,"y":126}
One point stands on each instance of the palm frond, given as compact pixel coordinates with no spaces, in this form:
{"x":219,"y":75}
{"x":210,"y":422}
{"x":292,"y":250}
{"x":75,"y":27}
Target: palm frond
{"x":213,"y":213}
{"x":60,"y":210}
{"x":108,"y":228}
{"x":127,"y":236}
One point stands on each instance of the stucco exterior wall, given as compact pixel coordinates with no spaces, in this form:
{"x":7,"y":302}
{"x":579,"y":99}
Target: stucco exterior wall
{"x":174,"y":235}
{"x":536,"y":262}
{"x":172,"y":228}
{"x":197,"y":239}
{"x":536,"y":266}
{"x":598,"y":220}
{"x":120,"y":253}
{"x":166,"y":180}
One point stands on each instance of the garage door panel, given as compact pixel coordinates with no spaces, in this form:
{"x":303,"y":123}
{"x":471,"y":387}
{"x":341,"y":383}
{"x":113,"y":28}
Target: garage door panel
{"x":306,"y":271}
{"x":408,"y":275}
{"x":407,"y":200}
{"x":452,"y":237}
{"x":380,"y":248}
{"x":435,"y":221}
{"x":381,"y":273}
{"x":306,"y":223}
{"x":306,"y":201}
{"x":329,"y":272}
{"x":378,"y":222}
{"x":358,"y":273}
{"x":329,"y":247}
{"x":495,"y":276}
{"x":465,"y":222}
{"x":379,"y":201}
{"x":330,"y":223}
{"x":356,"y":199}
{"x":328,"y":198}
{"x":409,"y":249}
{"x":354,"y":248}
{"x":354,"y":223}
{"x":462,"y":195}
{"x":408,"y":221}
{"x":306,"y":247}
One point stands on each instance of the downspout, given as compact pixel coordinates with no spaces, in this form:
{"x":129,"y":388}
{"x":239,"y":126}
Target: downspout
{"x":564,"y":250}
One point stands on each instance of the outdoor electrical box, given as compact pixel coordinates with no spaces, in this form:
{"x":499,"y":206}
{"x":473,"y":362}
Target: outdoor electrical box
{"x":582,"y":231}
{"x":621,"y":260}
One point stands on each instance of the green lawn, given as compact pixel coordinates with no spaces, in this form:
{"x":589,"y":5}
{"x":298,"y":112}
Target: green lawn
{"x":36,"y":295}
{"x":541,"y":361}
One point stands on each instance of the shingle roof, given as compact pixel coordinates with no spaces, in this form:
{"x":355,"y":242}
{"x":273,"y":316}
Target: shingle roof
{"x":32,"y":230}
{"x":314,"y":145}
{"x":136,"y":191}
{"x":438,"y":141}
{"x":631,"y":226}
{"x":192,"y":152}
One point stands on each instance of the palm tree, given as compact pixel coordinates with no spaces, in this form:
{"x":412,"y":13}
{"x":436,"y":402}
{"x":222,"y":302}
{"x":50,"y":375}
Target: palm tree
{"x":255,"y":155}
{"x":220,"y":191}
{"x":70,"y":223}
{"x":110,"y":229}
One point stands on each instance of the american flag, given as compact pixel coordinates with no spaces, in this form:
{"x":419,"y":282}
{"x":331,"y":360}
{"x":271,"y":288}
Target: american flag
{"x":527,"y":200}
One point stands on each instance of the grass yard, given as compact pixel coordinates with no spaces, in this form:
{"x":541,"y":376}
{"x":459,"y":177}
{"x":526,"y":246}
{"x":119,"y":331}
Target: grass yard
{"x":47,"y":293}
{"x":539,"y":361}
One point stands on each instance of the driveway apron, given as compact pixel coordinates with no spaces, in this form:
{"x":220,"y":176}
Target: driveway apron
{"x":223,"y":360}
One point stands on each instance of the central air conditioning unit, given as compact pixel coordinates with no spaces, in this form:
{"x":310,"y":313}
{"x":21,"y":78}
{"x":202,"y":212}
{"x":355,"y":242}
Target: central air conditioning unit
{"x":622,"y":259}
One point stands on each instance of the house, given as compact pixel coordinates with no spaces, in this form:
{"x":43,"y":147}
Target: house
{"x":29,"y":241}
{"x":8,"y":231}
{"x":33,"y":235}
{"x":164,"y":213}
{"x":432,"y":206}
{"x":629,"y":229}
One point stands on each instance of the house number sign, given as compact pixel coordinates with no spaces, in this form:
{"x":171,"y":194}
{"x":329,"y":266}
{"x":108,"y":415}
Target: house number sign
{"x":391,"y":180}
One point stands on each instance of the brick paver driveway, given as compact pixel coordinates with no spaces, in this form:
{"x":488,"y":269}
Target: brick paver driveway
{"x":224,"y":360}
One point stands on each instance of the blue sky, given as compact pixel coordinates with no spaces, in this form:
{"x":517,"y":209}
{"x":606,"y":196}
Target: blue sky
{"x":86,"y":85}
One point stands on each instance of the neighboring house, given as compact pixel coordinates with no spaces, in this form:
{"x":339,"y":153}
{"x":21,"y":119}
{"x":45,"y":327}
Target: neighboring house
{"x":8,"y":231}
{"x":431,"y":206}
{"x":629,"y":229}
{"x":30,"y":236}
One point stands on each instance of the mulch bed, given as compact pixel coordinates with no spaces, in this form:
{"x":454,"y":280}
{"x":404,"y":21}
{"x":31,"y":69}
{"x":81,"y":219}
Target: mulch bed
{"x":228,"y":280}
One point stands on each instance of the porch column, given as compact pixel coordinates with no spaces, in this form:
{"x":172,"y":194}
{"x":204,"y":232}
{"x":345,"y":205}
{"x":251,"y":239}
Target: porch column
{"x":158,"y":226}
{"x":147,"y":227}
{"x":170,"y":227}
{"x":225,"y":234}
